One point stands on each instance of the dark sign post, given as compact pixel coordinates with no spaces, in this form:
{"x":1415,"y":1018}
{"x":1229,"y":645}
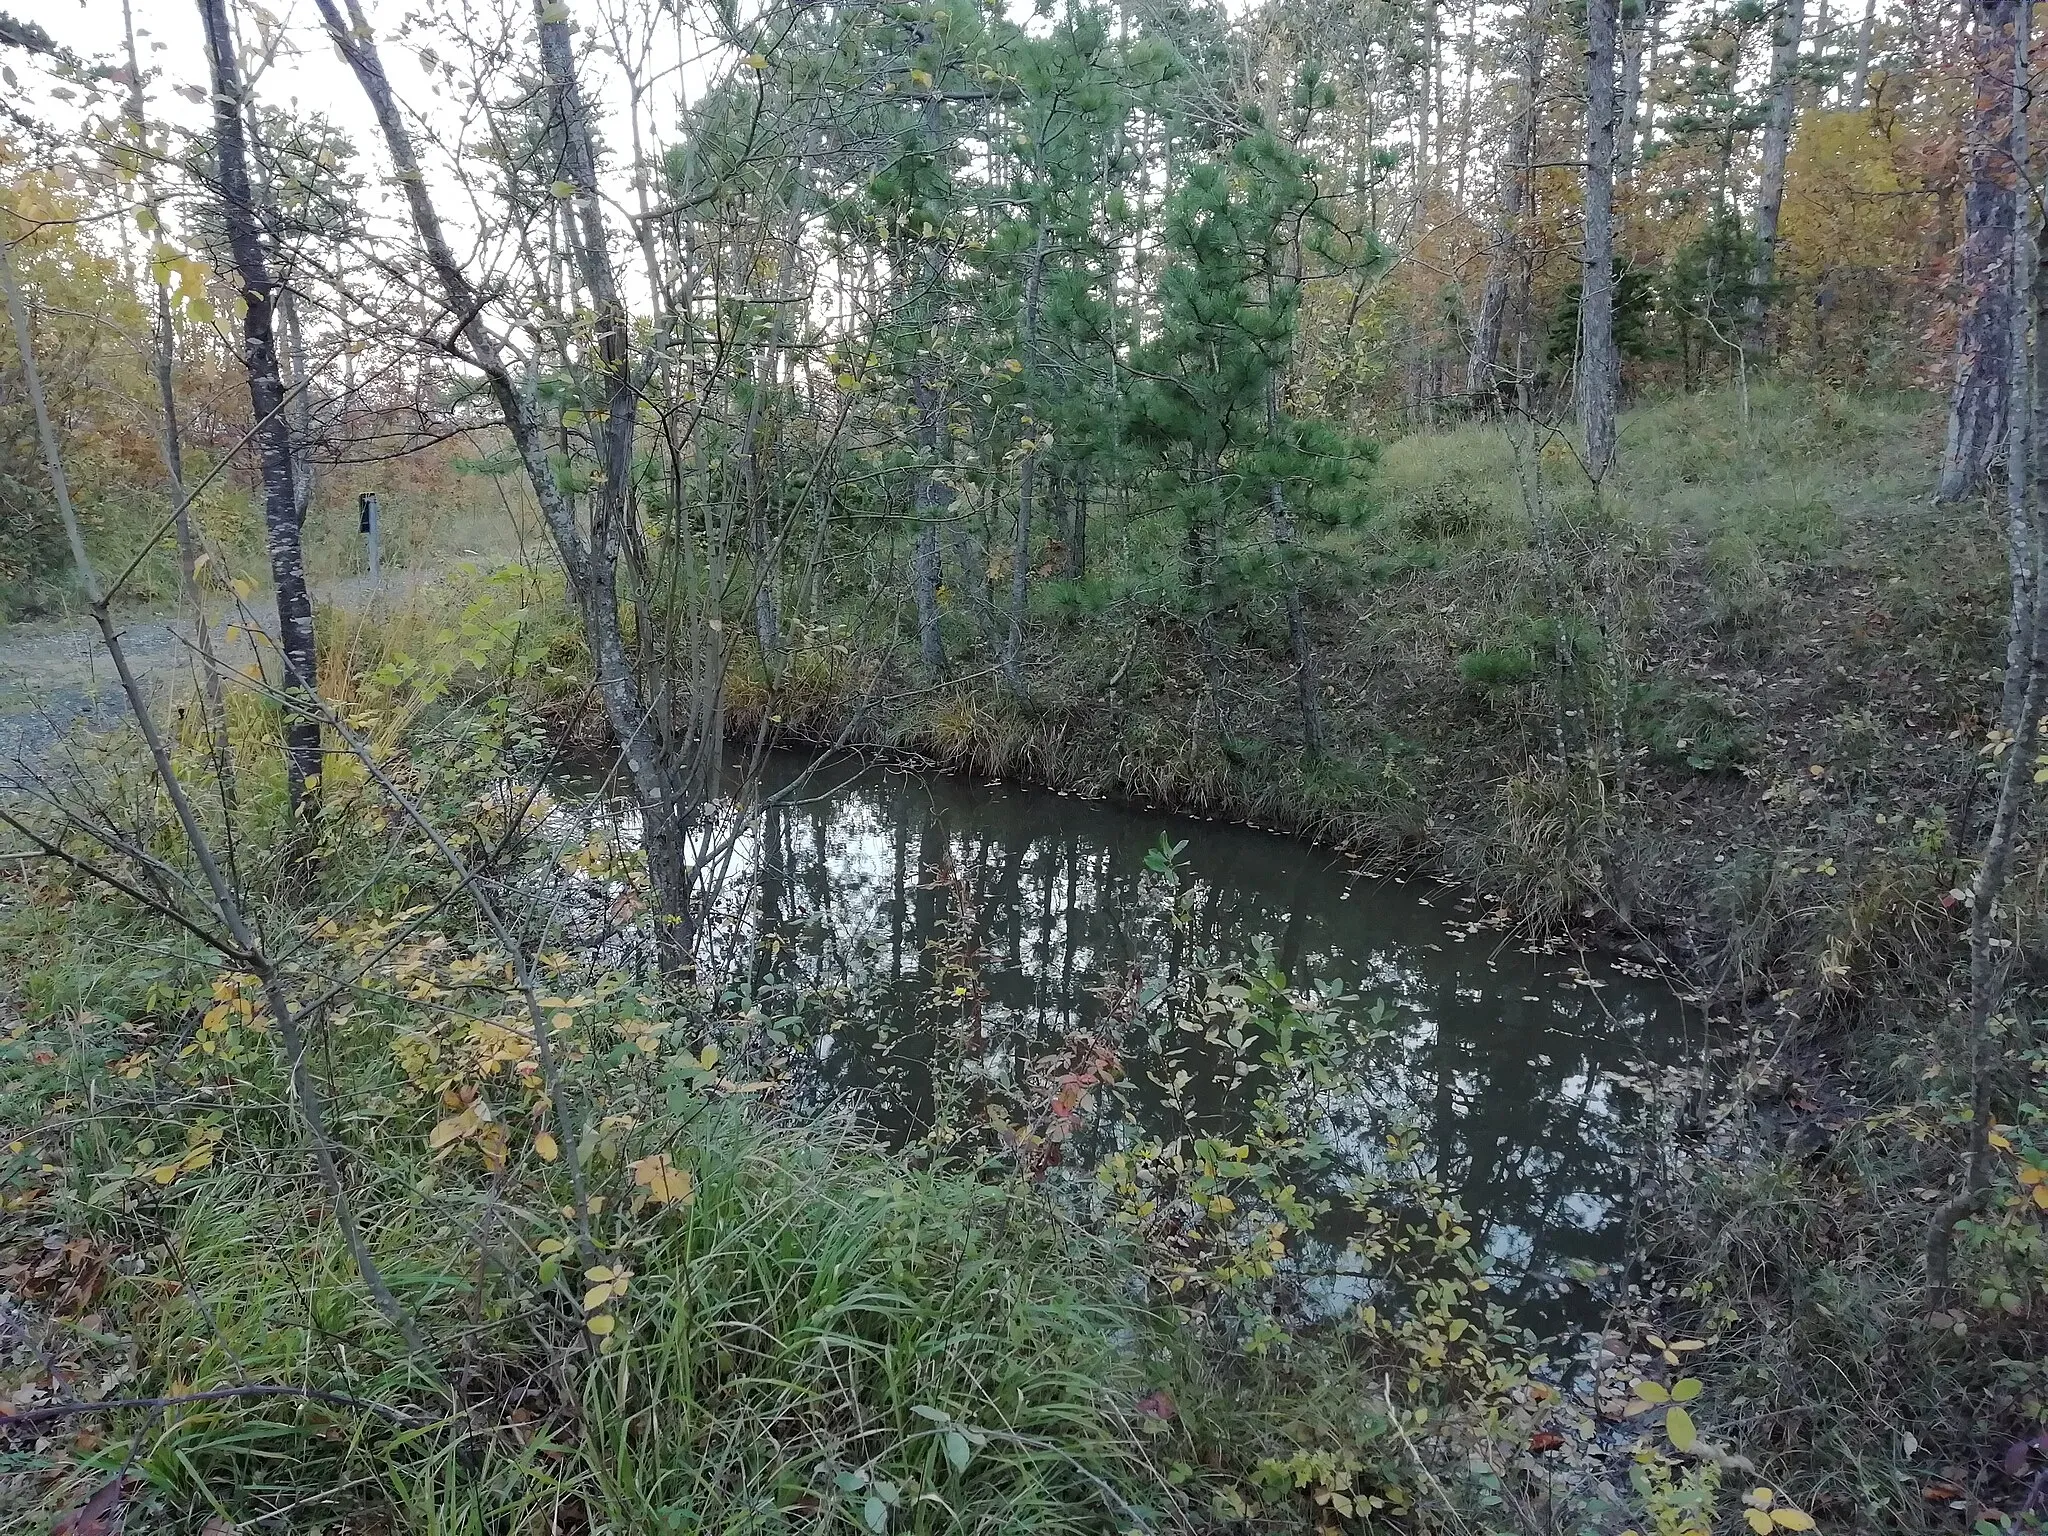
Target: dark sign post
{"x":368,"y":503}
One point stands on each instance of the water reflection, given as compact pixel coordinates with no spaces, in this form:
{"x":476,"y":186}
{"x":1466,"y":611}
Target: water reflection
{"x":1515,"y":1066}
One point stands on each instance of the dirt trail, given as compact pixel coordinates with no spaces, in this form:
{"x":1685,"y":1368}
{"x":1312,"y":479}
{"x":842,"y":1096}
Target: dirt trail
{"x":55,"y":675}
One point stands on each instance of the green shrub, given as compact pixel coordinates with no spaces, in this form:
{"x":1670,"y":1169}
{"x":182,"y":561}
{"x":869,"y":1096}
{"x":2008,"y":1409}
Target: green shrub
{"x":1689,"y":727}
{"x":1507,"y":666}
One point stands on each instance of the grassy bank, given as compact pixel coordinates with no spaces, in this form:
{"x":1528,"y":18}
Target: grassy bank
{"x":1792,"y":648}
{"x":1769,"y":616}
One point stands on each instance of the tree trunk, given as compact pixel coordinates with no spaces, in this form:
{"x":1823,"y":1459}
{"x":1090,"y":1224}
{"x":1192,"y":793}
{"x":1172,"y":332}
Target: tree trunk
{"x":1784,"y":103}
{"x":1308,"y":686}
{"x":1077,"y":537}
{"x":1638,"y":62}
{"x":1483,"y":383}
{"x":929,"y":498}
{"x":2023,"y":546}
{"x":2026,"y":655}
{"x":1425,"y":168}
{"x":302,"y":405}
{"x":240,"y":944}
{"x":666,"y":813}
{"x":1197,"y":557}
{"x":1471,"y":63}
{"x":1646,"y":138}
{"x":1859,"y":81}
{"x":589,"y":565}
{"x":267,"y":400}
{"x":1027,"y":468}
{"x":1599,"y":379}
{"x":766,"y":372}
{"x":1976,"y":420}
{"x":928,"y":505}
{"x":163,"y":364}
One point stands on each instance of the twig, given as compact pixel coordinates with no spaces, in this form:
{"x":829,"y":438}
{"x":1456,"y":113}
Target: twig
{"x":53,"y":1411}
{"x":1394,"y":1420}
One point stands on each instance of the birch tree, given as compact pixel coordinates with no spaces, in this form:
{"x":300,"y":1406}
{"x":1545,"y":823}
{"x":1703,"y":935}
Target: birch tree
{"x":244,"y":222}
{"x":1976,"y":417}
{"x":1777,"y":136}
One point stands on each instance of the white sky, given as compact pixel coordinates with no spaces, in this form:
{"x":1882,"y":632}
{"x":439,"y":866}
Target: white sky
{"x":307,"y":76}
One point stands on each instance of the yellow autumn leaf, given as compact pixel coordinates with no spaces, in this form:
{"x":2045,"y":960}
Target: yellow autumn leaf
{"x":1792,"y":1519}
{"x":664,"y":1182}
{"x":596,"y":1297}
{"x":1678,"y":1427}
{"x":602,"y":1324}
{"x":1758,"y":1521}
{"x":496,"y":1145}
{"x":546,"y":1148}
{"x":454,"y":1129}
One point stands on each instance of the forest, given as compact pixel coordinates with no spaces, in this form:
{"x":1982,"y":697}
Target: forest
{"x":1023,"y":766}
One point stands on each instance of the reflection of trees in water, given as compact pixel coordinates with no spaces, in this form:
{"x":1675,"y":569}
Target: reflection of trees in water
{"x":1508,"y":1070}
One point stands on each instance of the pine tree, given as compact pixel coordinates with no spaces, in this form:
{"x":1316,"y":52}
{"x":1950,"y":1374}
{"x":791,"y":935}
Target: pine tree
{"x":1207,"y":404}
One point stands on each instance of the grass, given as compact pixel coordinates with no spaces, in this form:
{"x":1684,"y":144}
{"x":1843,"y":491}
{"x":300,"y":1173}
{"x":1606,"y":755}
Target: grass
{"x":1745,"y":583}
{"x":814,"y":1334}
{"x":782,"y":1332}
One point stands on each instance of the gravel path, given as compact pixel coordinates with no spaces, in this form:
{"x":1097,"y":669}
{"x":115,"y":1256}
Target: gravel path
{"x":55,"y":675}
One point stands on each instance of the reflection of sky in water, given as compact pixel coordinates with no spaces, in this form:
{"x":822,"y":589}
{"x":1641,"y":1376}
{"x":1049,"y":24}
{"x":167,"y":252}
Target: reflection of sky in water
{"x":1505,"y":1061}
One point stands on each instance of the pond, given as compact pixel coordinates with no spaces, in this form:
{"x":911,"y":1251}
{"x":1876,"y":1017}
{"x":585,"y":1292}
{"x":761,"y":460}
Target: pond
{"x":1514,"y":1065}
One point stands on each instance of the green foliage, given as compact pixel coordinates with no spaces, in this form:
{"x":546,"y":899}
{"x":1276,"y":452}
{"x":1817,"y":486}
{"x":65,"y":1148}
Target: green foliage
{"x":1712,"y":280}
{"x":1690,"y":727}
{"x":1635,"y":309}
{"x":1498,"y":667}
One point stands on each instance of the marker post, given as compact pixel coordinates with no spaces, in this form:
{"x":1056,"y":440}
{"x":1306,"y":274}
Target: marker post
{"x":367,"y":503}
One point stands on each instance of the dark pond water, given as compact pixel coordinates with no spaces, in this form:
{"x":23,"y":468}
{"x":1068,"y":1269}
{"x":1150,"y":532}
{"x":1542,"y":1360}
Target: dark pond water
{"x":1515,"y":1067}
